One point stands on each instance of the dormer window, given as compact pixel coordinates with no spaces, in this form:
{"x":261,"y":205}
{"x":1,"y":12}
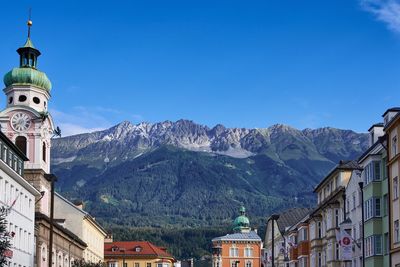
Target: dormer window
{"x":138,"y":249}
{"x":114,"y":249}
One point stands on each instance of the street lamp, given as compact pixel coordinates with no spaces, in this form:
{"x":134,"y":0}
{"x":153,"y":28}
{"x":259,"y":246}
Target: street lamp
{"x":361,"y":184}
{"x":274,"y":218}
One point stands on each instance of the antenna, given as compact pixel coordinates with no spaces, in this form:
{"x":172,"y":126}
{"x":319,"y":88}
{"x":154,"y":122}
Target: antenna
{"x":29,"y":23}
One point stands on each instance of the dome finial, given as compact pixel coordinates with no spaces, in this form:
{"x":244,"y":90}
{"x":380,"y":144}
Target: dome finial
{"x":29,"y":23}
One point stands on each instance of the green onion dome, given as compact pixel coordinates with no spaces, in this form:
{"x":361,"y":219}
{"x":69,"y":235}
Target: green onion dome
{"x":24,"y":76}
{"x":241,"y":222}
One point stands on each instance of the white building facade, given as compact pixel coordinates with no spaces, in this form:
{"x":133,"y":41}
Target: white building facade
{"x":18,"y":196}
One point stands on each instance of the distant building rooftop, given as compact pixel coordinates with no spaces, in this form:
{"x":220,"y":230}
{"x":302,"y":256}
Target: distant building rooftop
{"x":251,"y":236}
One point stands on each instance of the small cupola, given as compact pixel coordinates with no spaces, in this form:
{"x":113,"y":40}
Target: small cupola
{"x":28,"y":54}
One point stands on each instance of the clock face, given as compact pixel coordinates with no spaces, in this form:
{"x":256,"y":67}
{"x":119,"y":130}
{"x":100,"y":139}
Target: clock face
{"x":20,"y":122}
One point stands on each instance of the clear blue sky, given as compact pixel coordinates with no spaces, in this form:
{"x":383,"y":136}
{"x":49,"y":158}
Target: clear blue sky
{"x":238,"y":63}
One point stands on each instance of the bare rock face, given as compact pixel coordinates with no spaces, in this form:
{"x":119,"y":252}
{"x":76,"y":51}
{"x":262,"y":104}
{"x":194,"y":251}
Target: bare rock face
{"x":236,"y":142}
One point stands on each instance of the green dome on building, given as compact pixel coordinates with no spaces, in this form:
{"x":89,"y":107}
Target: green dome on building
{"x":241,"y":222}
{"x":24,"y":76}
{"x":27,"y":73}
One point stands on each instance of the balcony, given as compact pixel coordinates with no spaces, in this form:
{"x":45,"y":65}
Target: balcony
{"x":293,"y":253}
{"x":304,"y":248}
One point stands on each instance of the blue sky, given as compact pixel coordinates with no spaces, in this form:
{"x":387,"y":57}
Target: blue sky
{"x":238,"y":63}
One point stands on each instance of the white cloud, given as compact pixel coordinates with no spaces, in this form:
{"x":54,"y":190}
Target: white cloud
{"x":81,"y":119}
{"x":387,"y":11}
{"x":73,"y":129}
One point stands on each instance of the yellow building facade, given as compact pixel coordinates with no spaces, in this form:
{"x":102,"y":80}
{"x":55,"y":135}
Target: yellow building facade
{"x":136,"y":254}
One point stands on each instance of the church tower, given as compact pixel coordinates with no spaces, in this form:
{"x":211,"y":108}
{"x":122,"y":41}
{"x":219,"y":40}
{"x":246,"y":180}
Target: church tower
{"x":26,"y":120}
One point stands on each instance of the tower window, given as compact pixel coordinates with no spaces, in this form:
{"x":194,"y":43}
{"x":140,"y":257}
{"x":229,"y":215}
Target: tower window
{"x":22,"y":98}
{"x":44,"y":152}
{"x":36,"y":100}
{"x":10,"y":100}
{"x":20,"y":142}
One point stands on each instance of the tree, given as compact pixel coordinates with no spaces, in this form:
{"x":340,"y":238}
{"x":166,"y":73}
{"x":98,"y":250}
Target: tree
{"x":5,"y":237}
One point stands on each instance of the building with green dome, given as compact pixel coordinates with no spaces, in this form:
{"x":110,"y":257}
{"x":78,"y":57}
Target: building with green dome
{"x":242,"y":248}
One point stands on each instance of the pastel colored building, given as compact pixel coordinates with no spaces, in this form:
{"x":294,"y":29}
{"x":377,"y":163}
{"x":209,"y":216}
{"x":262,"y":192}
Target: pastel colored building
{"x":136,"y":254}
{"x":18,"y":197}
{"x":392,"y":129}
{"x":376,"y":200}
{"x":82,"y":224}
{"x":279,"y":229}
{"x":329,"y":214}
{"x":239,"y":249}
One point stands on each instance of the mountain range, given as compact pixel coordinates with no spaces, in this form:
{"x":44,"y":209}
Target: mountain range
{"x":186,"y":175}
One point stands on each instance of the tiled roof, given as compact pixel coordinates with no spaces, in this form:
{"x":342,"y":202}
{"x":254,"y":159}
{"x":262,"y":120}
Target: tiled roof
{"x":252,"y":235}
{"x":291,"y":217}
{"x":128,"y":248}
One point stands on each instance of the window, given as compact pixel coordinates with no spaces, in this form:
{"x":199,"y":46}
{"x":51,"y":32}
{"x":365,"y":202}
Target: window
{"x":386,"y":243}
{"x":385,"y":205}
{"x":233,"y":252}
{"x":136,"y":264}
{"x":22,"y":98}
{"x":148,"y":264}
{"x":337,"y":248}
{"x":20,"y":142}
{"x":112,"y":264}
{"x":337,"y":218}
{"x":373,"y":245}
{"x":248,"y":264}
{"x":126,"y":264}
{"x":319,"y":229}
{"x":10,"y":100}
{"x":303,"y":262}
{"x":372,"y":172}
{"x":372,"y":208}
{"x":396,"y":232}
{"x":395,"y":188}
{"x":36,"y":100}
{"x":44,"y":151}
{"x":394,"y":146}
{"x":303,"y":234}
{"x":248,"y":252}
{"x":354,"y":200}
{"x":319,"y":260}
{"x":138,"y":249}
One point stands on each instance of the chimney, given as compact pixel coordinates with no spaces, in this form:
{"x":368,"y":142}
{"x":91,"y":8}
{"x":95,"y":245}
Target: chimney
{"x":108,"y":239}
{"x":79,"y":204}
{"x":375,"y":131}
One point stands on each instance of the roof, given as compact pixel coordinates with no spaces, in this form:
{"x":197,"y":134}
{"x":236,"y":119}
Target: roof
{"x":393,"y":109}
{"x":290,"y":217}
{"x":29,"y":43}
{"x":128,"y":248}
{"x":41,"y":216}
{"x":344,"y":165}
{"x":394,"y":119}
{"x":379,"y":124}
{"x":367,"y":152}
{"x":250,"y":236}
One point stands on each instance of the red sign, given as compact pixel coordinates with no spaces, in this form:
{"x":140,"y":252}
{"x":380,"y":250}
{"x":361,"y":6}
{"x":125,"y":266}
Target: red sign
{"x":8,"y":253}
{"x":346,"y":241}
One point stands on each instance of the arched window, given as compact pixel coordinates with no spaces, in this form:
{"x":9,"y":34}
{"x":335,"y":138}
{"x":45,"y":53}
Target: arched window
{"x":248,"y":264}
{"x":44,"y":152}
{"x":20,"y":142}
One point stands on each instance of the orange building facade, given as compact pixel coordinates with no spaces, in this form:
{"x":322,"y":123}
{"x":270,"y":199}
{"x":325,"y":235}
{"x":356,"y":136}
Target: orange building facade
{"x":240,"y":249}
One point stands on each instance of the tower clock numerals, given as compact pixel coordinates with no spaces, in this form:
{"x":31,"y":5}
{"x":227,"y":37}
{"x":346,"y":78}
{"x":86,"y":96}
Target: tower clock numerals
{"x":20,"y":122}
